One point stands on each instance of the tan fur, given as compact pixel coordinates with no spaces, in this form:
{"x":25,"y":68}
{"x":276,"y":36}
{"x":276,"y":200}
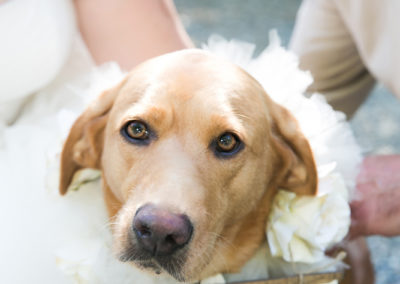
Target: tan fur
{"x":189,"y":98}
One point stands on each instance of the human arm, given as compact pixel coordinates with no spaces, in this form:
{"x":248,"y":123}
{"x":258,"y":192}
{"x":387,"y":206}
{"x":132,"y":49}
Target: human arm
{"x":130,"y":31}
{"x":326,"y":47}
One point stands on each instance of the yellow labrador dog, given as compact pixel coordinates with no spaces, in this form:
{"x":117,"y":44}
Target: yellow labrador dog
{"x":192,"y":151}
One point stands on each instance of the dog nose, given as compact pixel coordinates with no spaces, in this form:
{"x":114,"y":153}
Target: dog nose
{"x":159,"y":231}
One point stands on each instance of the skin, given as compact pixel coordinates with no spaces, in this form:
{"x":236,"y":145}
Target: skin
{"x":188,"y":99}
{"x":130,"y":31}
{"x":376,"y":210}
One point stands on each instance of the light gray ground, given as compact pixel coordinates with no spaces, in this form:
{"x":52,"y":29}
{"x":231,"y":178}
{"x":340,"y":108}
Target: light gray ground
{"x":376,"y":124}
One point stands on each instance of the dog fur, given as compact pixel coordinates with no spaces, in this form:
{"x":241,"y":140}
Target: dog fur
{"x":188,"y":99}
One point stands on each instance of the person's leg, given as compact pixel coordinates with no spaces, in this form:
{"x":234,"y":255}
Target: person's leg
{"x":130,"y":31}
{"x":326,"y":48}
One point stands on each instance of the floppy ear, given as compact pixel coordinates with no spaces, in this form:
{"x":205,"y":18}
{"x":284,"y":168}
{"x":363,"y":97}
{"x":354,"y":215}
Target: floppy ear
{"x":297,"y":171}
{"x":84,"y":144}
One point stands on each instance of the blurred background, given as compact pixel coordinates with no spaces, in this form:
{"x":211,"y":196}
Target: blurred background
{"x":376,"y":124}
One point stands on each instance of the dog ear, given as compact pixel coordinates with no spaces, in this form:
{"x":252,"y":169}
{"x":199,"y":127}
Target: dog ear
{"x":84,"y":144}
{"x":296,"y":167}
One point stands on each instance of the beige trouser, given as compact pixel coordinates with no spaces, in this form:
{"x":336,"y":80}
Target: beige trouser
{"x":325,"y":46}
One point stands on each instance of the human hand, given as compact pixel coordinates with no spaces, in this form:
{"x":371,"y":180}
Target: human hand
{"x":376,"y":207}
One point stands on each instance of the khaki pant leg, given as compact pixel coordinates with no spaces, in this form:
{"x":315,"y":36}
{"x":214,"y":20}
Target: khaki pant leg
{"x":326,"y":48}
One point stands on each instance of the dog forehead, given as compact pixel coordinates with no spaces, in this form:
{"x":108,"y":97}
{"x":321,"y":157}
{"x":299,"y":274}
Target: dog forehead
{"x":190,"y":77}
{"x":184,"y":72}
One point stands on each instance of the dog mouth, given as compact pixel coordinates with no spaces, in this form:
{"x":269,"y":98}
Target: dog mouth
{"x":171,"y":264}
{"x":149,"y":265}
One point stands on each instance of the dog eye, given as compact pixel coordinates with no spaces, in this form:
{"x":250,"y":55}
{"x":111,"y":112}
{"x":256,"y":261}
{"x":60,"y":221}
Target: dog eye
{"x":227,"y":144}
{"x":136,"y":130}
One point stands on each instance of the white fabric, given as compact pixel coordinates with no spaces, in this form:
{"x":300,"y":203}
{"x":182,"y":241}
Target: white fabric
{"x":31,"y":219}
{"x":36,"y":38}
{"x":51,"y":239}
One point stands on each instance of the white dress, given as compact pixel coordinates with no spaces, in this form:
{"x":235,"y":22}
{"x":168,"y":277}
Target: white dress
{"x":36,"y":39}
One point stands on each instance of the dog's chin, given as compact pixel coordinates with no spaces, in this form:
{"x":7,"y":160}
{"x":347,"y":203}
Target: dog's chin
{"x":172,"y":265}
{"x":186,"y":264}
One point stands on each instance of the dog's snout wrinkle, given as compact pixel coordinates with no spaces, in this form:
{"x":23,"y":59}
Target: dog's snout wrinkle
{"x":159,"y":231}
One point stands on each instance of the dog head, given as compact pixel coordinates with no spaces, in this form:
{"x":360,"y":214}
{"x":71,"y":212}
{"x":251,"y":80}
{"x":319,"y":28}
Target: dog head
{"x":192,"y":151}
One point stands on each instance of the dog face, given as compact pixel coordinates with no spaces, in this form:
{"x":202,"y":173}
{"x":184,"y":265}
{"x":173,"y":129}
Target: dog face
{"x":192,"y":152}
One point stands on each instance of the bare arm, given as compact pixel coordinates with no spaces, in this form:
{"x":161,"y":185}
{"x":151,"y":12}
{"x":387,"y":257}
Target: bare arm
{"x":130,"y":31}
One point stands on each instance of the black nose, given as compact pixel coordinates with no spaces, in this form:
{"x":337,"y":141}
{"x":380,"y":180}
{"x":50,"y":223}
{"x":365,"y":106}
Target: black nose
{"x":159,"y":231}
